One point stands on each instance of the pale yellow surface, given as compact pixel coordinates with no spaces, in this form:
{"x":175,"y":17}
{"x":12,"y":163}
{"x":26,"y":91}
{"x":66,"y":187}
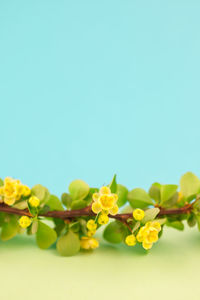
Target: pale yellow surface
{"x":170,"y":271}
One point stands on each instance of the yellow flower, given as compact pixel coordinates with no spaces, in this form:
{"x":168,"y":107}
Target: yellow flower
{"x":105,"y":190}
{"x":89,"y":243}
{"x":154,"y":224}
{"x":26,"y":191}
{"x":34,"y":201}
{"x":10,"y":189}
{"x":130,"y":240}
{"x":13,"y":190}
{"x":1,"y":191}
{"x":91,"y":225}
{"x":148,"y":234}
{"x":103,"y":218}
{"x":105,"y":201}
{"x":140,"y":234}
{"x":96,"y":207}
{"x":24,"y":222}
{"x":151,"y":235}
{"x":138,"y":214}
{"x":146,"y":246}
{"x":113,"y":211}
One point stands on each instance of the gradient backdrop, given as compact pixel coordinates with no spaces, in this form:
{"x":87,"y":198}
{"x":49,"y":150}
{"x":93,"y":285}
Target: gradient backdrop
{"x":88,"y":89}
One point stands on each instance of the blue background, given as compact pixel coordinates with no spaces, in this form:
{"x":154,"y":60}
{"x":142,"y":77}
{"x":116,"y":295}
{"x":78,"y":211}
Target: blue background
{"x":90,"y":88}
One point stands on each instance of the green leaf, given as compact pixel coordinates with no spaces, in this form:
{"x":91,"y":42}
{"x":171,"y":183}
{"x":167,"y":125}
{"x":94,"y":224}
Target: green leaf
{"x":139,"y":198}
{"x":1,"y":182}
{"x":10,"y":229}
{"x":198,"y":221}
{"x":175,"y":224}
{"x":66,"y":200}
{"x":115,"y":232}
{"x":54,"y":203}
{"x":113,"y":184}
{"x":161,"y":221}
{"x":78,"y":204}
{"x":40,"y":192}
{"x":192,"y":220}
{"x":75,"y":227}
{"x":122,"y":193}
{"x":167,"y":191}
{"x":21,"y":205}
{"x":68,"y":244}
{"x":150,"y":214}
{"x":78,"y":189}
{"x":196,"y":205}
{"x":44,"y":209}
{"x":154,"y":191}
{"x":60,"y":226}
{"x":34,"y":226}
{"x":45,"y":236}
{"x":171,"y":201}
{"x":189,"y":185}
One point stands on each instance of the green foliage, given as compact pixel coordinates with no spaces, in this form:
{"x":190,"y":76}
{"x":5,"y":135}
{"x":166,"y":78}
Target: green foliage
{"x":9,"y":228}
{"x":54,"y":203}
{"x":40,"y":192}
{"x":66,"y":200}
{"x":189,"y":185}
{"x":150,"y":214}
{"x":154,"y":192}
{"x":138,"y":198}
{"x":175,"y":224}
{"x":78,"y":189}
{"x":198,"y":221}
{"x":70,"y":227}
{"x":45,"y":235}
{"x":167,"y":195}
{"x":113,"y":184}
{"x":78,"y":204}
{"x":34,"y":226}
{"x":122,"y":193}
{"x":21,"y":205}
{"x":1,"y":182}
{"x":192,"y":220}
{"x":68,"y":244}
{"x":115,"y":232}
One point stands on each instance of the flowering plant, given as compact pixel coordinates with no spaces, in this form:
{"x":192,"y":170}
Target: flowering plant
{"x":139,"y":216}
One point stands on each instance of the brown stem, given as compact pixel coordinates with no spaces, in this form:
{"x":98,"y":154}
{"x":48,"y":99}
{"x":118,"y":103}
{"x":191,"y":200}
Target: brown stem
{"x":68,"y":214}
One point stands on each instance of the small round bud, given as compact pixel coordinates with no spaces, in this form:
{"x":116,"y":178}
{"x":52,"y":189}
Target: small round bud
{"x":91,"y":225}
{"x":138,"y":214}
{"x":34,"y":201}
{"x":103,"y":219}
{"x":130,"y":240}
{"x":24,"y":222}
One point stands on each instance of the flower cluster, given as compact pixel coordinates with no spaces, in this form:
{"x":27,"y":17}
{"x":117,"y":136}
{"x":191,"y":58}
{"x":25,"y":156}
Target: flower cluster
{"x":89,"y":242}
{"x":12,"y":191}
{"x":92,"y":227}
{"x":104,"y":203}
{"x":148,"y":234}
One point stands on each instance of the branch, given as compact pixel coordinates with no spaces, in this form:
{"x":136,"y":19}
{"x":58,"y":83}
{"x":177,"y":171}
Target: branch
{"x":68,"y":214}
